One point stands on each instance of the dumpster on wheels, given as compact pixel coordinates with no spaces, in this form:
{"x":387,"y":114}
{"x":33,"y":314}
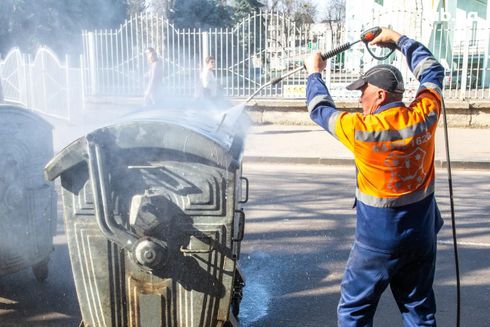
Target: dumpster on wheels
{"x":153,"y":221}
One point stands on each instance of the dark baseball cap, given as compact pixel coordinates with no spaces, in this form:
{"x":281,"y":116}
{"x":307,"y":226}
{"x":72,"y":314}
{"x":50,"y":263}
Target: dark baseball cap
{"x":386,"y":77}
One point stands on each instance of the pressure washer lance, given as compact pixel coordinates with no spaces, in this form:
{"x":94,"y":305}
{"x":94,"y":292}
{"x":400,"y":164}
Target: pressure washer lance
{"x":366,"y":37}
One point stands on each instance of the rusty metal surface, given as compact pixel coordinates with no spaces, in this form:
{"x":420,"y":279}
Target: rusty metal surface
{"x":150,"y":183}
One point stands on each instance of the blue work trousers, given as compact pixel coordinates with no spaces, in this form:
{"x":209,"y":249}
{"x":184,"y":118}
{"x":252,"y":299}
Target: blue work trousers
{"x":369,"y":272}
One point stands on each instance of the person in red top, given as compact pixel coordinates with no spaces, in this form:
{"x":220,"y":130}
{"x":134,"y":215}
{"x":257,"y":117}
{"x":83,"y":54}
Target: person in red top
{"x":397,"y":215}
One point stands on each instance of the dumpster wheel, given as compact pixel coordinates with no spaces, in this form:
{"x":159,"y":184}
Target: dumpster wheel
{"x":41,"y":270}
{"x":235,"y":306}
{"x":239,"y":284}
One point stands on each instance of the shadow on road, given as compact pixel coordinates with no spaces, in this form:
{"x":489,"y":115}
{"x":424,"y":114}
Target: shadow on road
{"x":300,"y":226}
{"x":26,"y":302}
{"x":299,"y":230}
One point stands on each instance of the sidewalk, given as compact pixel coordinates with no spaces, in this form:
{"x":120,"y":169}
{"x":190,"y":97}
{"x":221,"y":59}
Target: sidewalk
{"x":469,"y":148}
{"x":310,"y":144}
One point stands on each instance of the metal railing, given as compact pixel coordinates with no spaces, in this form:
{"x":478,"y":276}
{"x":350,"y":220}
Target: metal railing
{"x":259,"y":48}
{"x":42,"y":83}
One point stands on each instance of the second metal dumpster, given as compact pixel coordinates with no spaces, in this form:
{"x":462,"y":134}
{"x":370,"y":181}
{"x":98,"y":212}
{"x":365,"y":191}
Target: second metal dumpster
{"x":27,"y":202}
{"x":153,"y":220}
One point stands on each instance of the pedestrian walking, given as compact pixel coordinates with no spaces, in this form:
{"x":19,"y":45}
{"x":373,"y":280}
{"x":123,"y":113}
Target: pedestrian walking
{"x":154,"y":89}
{"x":397,"y":215}
{"x":209,"y":82}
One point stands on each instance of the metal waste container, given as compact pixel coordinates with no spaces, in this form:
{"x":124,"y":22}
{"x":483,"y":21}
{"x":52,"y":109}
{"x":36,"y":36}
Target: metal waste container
{"x":27,"y":201}
{"x":153,"y":220}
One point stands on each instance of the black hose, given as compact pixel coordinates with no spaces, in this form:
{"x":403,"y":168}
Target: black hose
{"x":453,"y":220}
{"x":337,"y":50}
{"x":392,"y":48}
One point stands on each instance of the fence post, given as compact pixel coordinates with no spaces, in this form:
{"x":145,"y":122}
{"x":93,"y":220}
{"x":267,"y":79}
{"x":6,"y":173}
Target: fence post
{"x":82,"y":81}
{"x":464,"y":68}
{"x":205,"y":46}
{"x":328,"y":74}
{"x":91,"y":65}
{"x":67,"y":76}
{"x":28,"y":96}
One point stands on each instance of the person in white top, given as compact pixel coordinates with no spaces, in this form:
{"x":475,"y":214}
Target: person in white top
{"x":153,"y":93}
{"x":209,"y":82}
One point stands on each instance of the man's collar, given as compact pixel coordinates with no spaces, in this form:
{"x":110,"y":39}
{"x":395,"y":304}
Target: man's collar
{"x":388,"y":106}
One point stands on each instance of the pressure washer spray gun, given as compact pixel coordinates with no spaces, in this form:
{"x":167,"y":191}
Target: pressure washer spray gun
{"x":366,"y":37}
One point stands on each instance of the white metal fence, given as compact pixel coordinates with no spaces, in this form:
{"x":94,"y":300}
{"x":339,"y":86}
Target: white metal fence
{"x":467,"y":62}
{"x":261,"y":47}
{"x":42,"y":83}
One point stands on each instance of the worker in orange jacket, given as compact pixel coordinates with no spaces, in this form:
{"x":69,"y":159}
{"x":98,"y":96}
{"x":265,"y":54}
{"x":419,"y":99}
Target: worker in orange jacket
{"x":397,"y":215}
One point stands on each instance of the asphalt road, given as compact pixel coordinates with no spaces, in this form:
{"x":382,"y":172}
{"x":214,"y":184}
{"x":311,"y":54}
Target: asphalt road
{"x":298,"y":234}
{"x":299,"y":231}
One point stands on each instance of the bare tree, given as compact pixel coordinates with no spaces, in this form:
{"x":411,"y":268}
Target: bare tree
{"x":335,"y":18}
{"x":162,"y":7}
{"x":281,"y":5}
{"x":305,"y":12}
{"x":302,"y":11}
